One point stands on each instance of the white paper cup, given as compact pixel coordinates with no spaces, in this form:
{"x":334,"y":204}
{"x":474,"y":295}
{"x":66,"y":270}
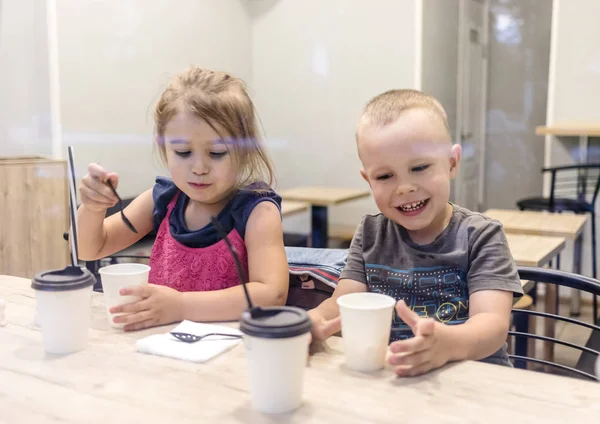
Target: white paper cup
{"x":277,"y":350}
{"x":366,"y":326}
{"x":64,"y":308}
{"x":277,"y":372}
{"x":116,"y":277}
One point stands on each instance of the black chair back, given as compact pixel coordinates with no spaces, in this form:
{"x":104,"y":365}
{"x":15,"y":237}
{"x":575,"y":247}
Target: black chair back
{"x":590,"y":352}
{"x":580,"y":182}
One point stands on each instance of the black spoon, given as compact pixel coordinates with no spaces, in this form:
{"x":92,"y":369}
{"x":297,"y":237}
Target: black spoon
{"x":120,"y":203}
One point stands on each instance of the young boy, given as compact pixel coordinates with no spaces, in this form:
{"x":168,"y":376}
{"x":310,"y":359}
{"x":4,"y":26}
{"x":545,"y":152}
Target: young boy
{"x":444,"y":264}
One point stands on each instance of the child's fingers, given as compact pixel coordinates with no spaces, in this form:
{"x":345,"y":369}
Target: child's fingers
{"x":96,"y":171}
{"x":101,"y":176}
{"x":416,"y":344}
{"x":95,"y":184}
{"x":138,"y":291}
{"x":324,"y":329}
{"x":412,"y":371}
{"x":131,"y":308}
{"x":141,"y":325}
{"x":409,"y":317}
{"x":412,"y":359}
{"x":94,"y":196}
{"x":134,"y":318}
{"x":425,"y":327}
{"x":332,"y":326}
{"x":114,"y":179}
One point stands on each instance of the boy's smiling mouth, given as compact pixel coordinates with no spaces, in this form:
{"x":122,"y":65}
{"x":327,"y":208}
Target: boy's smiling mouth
{"x":412,"y":208}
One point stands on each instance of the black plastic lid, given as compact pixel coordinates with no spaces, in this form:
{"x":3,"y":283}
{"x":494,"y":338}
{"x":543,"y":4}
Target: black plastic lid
{"x":70,"y":278}
{"x":275,"y":322}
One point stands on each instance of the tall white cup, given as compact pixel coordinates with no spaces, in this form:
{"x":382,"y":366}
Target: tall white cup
{"x":116,"y":277}
{"x":64,"y":307}
{"x":276,"y":342}
{"x":366,"y":325}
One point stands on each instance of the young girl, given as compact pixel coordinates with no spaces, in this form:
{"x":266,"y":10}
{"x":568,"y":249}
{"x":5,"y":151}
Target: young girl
{"x":207,"y":135}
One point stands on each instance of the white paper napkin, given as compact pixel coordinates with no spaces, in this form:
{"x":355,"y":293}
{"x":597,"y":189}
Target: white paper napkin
{"x":201,"y":351}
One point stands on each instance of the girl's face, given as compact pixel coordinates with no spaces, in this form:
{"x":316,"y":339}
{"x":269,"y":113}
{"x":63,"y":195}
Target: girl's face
{"x":199,"y":160}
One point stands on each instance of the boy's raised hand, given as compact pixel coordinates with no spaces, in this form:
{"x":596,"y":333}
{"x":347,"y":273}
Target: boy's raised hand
{"x":425,"y":351}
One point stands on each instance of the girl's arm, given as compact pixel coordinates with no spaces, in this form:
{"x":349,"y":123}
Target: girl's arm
{"x":267,"y":269}
{"x":98,"y":236}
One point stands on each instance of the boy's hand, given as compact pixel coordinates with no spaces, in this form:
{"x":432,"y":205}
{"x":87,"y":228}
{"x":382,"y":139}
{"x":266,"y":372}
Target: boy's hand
{"x":322,"y":329}
{"x":424,"y":352}
{"x":159,"y":305}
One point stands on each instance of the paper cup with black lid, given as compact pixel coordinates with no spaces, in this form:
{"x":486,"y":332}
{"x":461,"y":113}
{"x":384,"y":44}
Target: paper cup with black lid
{"x":277,"y":340}
{"x":64,"y":308}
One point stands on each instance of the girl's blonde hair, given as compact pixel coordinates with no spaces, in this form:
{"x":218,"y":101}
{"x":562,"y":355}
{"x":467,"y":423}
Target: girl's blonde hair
{"x":222,"y":101}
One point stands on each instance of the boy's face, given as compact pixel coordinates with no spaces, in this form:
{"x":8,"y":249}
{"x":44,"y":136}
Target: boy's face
{"x":409,"y":165}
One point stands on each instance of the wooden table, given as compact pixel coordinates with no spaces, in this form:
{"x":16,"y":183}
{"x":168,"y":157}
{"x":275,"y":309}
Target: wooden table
{"x":111,"y":383}
{"x":320,"y":198}
{"x":564,"y":225}
{"x":569,"y":130}
{"x":534,"y":251}
{"x":569,"y":226}
{"x":583,"y":131}
{"x":289,"y":207}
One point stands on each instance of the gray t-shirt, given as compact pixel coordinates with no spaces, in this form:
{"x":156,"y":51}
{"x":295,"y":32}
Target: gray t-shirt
{"x":434,"y":280}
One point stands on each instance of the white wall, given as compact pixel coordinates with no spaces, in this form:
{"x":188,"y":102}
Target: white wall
{"x":440,"y":54}
{"x":24,"y":81}
{"x":315,"y":64}
{"x":519,"y":53}
{"x":574,"y":88}
{"x":577,"y":72}
{"x":115,"y":58}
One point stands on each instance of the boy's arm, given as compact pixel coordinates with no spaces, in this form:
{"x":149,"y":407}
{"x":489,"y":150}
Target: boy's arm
{"x":493,"y":280}
{"x":486,"y":329}
{"x":324,"y":316}
{"x":435,"y":343}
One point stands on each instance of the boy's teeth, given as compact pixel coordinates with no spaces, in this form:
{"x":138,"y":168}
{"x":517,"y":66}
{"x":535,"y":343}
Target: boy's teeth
{"x":412,"y":206}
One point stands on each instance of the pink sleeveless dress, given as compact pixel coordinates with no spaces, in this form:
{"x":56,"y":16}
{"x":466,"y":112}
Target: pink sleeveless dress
{"x":194,"y":269}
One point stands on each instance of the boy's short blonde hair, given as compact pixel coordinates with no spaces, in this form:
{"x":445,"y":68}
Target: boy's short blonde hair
{"x":387,"y":107}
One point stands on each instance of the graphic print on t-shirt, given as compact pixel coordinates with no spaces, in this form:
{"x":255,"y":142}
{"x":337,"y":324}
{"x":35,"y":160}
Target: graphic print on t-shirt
{"x":434,"y":292}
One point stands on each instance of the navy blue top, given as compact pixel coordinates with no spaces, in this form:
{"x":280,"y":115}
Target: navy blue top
{"x":233,"y":216}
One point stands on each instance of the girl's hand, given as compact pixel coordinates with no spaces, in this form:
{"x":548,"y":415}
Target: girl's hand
{"x":424,"y":352}
{"x":96,"y":195}
{"x":159,"y":305}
